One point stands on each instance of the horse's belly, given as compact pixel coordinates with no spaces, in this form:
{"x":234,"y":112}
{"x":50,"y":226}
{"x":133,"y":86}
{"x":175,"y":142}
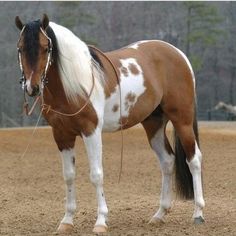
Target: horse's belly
{"x":123,"y":105}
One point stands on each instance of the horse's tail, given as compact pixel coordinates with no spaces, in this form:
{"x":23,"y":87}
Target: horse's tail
{"x":183,"y":177}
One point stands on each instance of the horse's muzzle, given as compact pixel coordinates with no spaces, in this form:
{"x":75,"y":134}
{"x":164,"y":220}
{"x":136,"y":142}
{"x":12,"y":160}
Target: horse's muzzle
{"x":34,"y":92}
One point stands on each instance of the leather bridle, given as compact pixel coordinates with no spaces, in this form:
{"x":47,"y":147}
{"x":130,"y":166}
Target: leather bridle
{"x":44,"y":80}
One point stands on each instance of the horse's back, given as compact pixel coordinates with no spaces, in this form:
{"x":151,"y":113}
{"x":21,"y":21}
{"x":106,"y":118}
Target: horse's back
{"x":160,"y":62}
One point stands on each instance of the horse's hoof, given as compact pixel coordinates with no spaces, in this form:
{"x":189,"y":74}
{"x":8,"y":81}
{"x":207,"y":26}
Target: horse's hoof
{"x":156,"y":221}
{"x":198,"y":220}
{"x":65,"y":229}
{"x":100,"y":229}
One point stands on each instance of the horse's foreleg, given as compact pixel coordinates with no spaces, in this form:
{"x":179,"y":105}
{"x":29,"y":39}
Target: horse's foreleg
{"x":93,"y":145}
{"x":68,"y":163}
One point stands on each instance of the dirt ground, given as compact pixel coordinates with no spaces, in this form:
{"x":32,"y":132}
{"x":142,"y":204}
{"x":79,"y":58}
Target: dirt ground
{"x":32,"y":187}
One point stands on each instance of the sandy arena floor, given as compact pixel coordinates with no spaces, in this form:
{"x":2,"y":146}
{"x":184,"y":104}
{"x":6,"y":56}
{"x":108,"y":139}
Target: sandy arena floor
{"x":32,"y":187}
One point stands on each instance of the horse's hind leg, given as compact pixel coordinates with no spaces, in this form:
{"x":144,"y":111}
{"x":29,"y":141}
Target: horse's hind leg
{"x":188,"y":176}
{"x":193,"y":159}
{"x":155,"y":128}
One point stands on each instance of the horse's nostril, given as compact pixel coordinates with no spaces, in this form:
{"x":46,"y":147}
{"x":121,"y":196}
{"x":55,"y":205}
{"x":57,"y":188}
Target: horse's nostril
{"x":35,"y":91}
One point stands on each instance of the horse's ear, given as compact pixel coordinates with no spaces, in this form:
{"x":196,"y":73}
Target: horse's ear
{"x":45,"y":21}
{"x":19,"y":23}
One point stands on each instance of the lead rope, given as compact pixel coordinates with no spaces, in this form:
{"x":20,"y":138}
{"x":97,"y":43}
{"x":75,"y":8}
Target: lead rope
{"x":26,"y":109}
{"x":121,"y":122}
{"x":32,"y":134}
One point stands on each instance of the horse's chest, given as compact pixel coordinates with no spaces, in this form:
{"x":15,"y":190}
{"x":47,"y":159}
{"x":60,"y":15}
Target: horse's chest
{"x":123,"y":101}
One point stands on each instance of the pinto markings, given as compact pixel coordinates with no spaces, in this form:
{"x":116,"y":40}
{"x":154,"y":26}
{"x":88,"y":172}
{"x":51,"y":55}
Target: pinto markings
{"x":132,"y":87}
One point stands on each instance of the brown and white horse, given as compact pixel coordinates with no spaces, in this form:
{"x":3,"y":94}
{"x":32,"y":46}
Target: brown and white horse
{"x":85,"y":92}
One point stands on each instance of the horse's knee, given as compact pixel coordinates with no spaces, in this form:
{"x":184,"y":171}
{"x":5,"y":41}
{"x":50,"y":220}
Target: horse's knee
{"x":96,"y":176}
{"x":68,"y":161}
{"x":69,"y":176}
{"x":167,"y":164}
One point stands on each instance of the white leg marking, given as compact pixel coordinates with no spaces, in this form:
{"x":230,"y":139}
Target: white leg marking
{"x":68,"y":163}
{"x":93,"y":145}
{"x":195,"y":169}
{"x":167,"y":165}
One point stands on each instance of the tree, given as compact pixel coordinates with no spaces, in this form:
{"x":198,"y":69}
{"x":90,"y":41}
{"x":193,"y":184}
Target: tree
{"x":231,"y":19}
{"x":71,"y":16}
{"x":202,"y":30}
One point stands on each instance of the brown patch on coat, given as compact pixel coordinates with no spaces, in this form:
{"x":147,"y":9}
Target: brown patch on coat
{"x":130,"y":97}
{"x":133,"y":68}
{"x":129,"y":100}
{"x":123,"y":121}
{"x":124,"y":71}
{"x":115,"y":108}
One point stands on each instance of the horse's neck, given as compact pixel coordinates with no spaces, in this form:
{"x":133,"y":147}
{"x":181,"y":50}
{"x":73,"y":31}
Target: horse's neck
{"x":228,"y":107}
{"x":53,"y":91}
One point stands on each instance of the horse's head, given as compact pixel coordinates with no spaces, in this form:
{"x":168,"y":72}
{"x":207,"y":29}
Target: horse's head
{"x":220,"y":105}
{"x":34,"y":49}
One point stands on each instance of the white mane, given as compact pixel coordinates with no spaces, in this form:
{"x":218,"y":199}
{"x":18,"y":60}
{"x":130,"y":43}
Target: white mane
{"x":75,"y":64}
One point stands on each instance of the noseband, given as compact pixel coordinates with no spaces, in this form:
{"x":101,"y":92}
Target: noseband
{"x":44,"y":80}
